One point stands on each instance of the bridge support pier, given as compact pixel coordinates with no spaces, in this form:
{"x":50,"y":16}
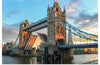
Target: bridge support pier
{"x":66,"y":55}
{"x":59,"y":56}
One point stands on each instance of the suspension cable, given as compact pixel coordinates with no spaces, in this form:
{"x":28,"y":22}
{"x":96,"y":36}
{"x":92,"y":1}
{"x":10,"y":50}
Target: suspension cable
{"x":82,"y":35}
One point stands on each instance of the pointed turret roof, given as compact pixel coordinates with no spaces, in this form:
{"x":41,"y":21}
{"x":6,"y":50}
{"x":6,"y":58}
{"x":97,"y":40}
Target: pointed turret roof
{"x":55,"y":4}
{"x":64,"y":9}
{"x":26,"y":21}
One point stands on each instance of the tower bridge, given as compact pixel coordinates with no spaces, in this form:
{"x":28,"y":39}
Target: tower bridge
{"x":60,"y":37}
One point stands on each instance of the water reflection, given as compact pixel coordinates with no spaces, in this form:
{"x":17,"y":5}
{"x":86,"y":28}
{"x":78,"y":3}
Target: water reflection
{"x":78,"y":59}
{"x":18,"y":60}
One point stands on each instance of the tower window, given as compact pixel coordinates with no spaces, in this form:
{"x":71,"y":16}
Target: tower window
{"x":25,"y":25}
{"x":56,"y":9}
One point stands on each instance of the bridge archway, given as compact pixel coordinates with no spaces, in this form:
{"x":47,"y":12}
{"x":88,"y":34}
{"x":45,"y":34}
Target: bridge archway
{"x":60,"y":42}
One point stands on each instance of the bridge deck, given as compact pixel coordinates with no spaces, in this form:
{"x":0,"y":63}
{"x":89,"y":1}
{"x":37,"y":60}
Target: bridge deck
{"x":93,"y":45}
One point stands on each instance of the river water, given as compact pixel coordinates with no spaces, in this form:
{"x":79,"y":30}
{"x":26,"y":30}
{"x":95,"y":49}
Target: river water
{"x":78,"y":59}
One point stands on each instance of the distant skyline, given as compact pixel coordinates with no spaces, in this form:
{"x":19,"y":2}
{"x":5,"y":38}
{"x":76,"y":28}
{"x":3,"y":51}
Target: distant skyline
{"x":80,"y":13}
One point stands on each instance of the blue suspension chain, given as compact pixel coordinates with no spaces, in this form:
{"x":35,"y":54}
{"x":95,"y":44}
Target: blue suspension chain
{"x":75,"y":33}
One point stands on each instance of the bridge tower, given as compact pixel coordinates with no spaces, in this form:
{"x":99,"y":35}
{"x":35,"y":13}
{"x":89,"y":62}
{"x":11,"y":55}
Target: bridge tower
{"x":56,"y":33}
{"x":26,"y":40}
{"x":23,"y":35}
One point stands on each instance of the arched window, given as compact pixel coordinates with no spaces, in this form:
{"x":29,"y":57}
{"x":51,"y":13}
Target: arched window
{"x":56,"y":9}
{"x":60,"y":42}
{"x":25,"y":25}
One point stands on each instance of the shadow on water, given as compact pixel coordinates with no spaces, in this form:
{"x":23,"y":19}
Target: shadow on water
{"x":68,"y":62}
{"x":17,"y":60}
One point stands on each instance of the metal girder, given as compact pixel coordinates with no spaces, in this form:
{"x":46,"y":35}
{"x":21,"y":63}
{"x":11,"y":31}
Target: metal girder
{"x":16,"y":39}
{"x":35,"y":24}
{"x":90,"y":45}
{"x":76,"y":32}
{"x":76,"y":29}
{"x":39,"y":27}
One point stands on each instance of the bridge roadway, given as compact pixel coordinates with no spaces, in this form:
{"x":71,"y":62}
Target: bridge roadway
{"x":88,"y":45}
{"x":38,"y":25}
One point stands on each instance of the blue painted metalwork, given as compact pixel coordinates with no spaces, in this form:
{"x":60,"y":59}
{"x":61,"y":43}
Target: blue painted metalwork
{"x":76,"y":29}
{"x":27,"y":51}
{"x":76,"y":32}
{"x":34,"y":24}
{"x":39,"y":27}
{"x":88,"y":45}
{"x":80,"y":30}
{"x":16,"y":39}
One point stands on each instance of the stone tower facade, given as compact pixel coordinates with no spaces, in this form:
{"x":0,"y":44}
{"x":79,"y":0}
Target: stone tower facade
{"x":56,"y":33}
{"x":23,"y":34}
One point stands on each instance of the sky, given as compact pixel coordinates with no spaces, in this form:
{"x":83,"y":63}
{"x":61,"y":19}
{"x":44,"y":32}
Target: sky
{"x":80,"y":13}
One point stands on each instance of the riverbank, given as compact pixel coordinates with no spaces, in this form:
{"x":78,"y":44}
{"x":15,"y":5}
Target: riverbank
{"x":84,"y":53}
{"x":16,"y":55}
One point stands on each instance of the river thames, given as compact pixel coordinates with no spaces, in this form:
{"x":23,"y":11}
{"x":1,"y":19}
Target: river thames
{"x":78,"y":59}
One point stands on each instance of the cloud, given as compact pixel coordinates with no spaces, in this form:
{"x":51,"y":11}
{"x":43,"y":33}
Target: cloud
{"x":14,"y":31}
{"x":71,"y":7}
{"x":85,"y":21}
{"x":15,"y":26}
{"x":9,"y":34}
{"x":12,"y":13}
{"x":81,"y":18}
{"x":87,"y":18}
